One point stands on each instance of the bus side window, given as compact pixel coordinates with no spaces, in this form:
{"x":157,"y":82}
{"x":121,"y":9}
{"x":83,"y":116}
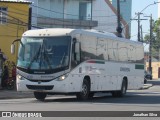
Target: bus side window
{"x":73,"y":57}
{"x":73,"y":51}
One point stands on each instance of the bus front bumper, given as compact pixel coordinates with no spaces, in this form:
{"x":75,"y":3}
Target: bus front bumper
{"x":52,"y":86}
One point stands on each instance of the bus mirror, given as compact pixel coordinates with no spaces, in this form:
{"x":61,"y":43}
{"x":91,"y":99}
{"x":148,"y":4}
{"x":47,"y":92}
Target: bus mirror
{"x":12,"y":49}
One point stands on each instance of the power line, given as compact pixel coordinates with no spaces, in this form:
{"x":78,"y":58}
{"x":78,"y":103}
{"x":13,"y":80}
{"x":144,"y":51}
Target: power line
{"x":13,"y":17}
{"x":41,"y":16}
{"x":25,"y":24}
{"x":46,"y":16}
{"x":67,"y":13}
{"x":141,"y":12}
{"x":50,"y":17}
{"x":106,"y":16}
{"x":18,"y":13}
{"x":139,"y":26}
{"x":53,"y":11}
{"x":9,"y":36}
{"x":18,"y":22}
{"x":4,"y":4}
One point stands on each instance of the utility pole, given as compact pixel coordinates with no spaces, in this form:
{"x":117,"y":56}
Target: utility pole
{"x":150,"y":44}
{"x":30,"y":19}
{"x":141,"y":29}
{"x":119,"y":28}
{"x":138,"y":14}
{"x":139,"y":25}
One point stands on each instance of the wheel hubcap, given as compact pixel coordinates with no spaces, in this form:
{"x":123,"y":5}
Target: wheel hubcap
{"x":124,"y":89}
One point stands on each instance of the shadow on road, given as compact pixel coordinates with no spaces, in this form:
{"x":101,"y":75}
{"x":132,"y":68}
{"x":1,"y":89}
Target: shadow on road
{"x":138,"y":97}
{"x":131,"y":98}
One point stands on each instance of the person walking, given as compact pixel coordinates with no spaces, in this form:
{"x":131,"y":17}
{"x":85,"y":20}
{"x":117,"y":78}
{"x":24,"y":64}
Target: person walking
{"x":5,"y":76}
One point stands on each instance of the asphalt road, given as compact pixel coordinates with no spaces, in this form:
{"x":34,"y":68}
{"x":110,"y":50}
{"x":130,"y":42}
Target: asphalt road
{"x":135,"y":100}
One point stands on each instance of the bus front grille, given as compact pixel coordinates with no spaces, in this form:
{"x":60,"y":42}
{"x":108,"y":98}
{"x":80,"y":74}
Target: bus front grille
{"x":40,"y":80}
{"x":35,"y":87}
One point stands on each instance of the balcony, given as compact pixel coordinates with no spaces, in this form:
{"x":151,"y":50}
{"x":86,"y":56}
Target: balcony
{"x":66,"y":23}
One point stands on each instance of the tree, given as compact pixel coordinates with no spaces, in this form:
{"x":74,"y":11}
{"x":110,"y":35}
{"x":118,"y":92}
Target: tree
{"x":155,"y":39}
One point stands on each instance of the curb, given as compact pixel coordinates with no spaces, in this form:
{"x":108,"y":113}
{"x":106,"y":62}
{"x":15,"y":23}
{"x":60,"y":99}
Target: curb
{"x":146,"y":86}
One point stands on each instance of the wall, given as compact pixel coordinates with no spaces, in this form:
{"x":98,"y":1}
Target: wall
{"x":155,"y":66}
{"x":14,"y":28}
{"x":101,"y":12}
{"x":61,"y":11}
{"x":107,"y":19}
{"x":68,"y":9}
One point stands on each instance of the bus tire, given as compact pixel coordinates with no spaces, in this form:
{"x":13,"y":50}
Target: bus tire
{"x":40,"y":95}
{"x":84,"y":94}
{"x":123,"y":90}
{"x":115,"y":93}
{"x":90,"y":96}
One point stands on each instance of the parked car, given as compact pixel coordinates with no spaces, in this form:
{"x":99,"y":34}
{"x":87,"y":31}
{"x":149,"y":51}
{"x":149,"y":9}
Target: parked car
{"x":148,"y":75}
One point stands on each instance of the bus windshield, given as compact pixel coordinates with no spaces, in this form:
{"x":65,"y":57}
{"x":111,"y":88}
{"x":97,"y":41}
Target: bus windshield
{"x":44,"y":53}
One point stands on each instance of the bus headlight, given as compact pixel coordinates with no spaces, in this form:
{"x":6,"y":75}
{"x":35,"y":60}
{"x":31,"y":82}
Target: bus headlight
{"x":63,"y":77}
{"x":20,"y":77}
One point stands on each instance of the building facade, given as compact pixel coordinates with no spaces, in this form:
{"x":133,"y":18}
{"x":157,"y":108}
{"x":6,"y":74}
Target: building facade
{"x":62,"y":13}
{"x":106,"y":15}
{"x":126,"y":10}
{"x":107,"y":19}
{"x":13,"y":22}
{"x":155,"y":69}
{"x":86,"y":14}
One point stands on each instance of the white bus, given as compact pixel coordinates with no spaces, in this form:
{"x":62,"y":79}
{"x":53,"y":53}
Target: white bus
{"x":80,"y":62}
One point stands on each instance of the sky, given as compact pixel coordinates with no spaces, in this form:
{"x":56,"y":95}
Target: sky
{"x":137,"y":6}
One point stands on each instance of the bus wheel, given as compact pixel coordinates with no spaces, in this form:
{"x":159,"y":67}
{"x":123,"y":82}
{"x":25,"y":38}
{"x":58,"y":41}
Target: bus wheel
{"x":115,"y":93}
{"x":123,"y":90}
{"x":91,"y":95}
{"x":40,"y":95}
{"x":84,"y":94}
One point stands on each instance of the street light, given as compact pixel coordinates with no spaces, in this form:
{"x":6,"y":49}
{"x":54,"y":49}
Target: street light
{"x":141,"y":12}
{"x":150,"y":5}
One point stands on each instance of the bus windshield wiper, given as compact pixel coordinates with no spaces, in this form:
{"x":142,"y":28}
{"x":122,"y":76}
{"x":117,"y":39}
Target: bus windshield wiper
{"x":42,"y":55}
{"x":47,"y":59}
{"x":35,"y":57}
{"x":61,"y":62}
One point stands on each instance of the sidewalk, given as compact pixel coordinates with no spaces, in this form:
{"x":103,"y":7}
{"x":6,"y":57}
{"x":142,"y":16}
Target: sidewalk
{"x":13,"y":94}
{"x":146,"y":86}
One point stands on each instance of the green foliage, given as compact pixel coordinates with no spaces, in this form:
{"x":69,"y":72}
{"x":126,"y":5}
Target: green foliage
{"x":155,"y":38}
{"x":146,"y":38}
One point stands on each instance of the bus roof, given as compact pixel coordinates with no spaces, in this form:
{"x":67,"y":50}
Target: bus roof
{"x":48,"y":32}
{"x":62,"y":31}
{"x":67,"y":31}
